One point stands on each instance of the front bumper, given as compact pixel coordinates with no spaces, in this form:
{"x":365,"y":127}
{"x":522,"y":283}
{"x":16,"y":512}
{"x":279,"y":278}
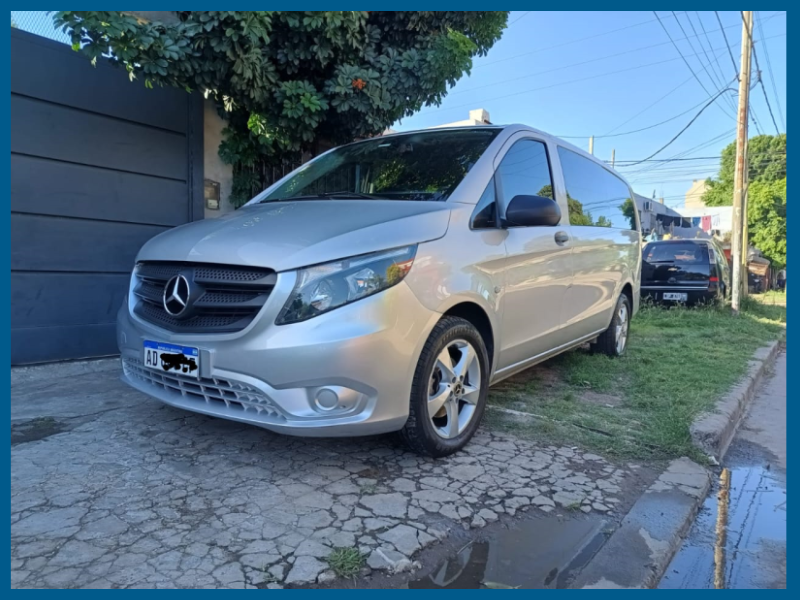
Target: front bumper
{"x":282,"y":377}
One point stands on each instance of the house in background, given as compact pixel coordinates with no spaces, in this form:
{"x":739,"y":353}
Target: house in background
{"x":478,"y":116}
{"x":656,"y":216}
{"x":694,"y":197}
{"x":717,"y":219}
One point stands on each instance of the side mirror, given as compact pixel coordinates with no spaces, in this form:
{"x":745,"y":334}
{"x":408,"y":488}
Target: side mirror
{"x":532,"y":211}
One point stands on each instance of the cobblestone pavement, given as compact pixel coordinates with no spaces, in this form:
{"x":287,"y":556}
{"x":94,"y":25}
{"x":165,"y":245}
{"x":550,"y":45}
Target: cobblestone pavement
{"x":112,"y":489}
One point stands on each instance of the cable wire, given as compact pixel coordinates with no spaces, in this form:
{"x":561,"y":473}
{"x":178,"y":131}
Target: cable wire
{"x":769,"y":69}
{"x":730,"y":52}
{"x":758,"y":69}
{"x":686,"y":62}
{"x":691,"y":45}
{"x":689,"y":124}
{"x":719,"y":77}
{"x":527,"y":12}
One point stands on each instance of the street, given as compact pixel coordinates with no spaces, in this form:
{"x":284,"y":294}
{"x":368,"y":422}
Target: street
{"x":739,"y":538}
{"x":111,"y":488}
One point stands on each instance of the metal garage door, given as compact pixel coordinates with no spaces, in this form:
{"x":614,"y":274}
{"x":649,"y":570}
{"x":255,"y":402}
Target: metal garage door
{"x":98,"y":166}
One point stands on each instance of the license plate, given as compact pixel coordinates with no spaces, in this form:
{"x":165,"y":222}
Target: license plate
{"x":169,"y":357}
{"x":674,"y":296}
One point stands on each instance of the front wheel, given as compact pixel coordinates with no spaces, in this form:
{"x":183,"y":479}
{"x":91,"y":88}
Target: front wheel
{"x":614,"y":340}
{"x":449,"y":390}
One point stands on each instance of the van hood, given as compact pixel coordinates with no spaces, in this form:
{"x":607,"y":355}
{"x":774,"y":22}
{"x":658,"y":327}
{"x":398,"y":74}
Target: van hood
{"x":288,"y":235}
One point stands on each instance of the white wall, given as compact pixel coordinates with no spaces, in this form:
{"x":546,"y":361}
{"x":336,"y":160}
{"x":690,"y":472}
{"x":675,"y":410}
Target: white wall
{"x":213,"y":166}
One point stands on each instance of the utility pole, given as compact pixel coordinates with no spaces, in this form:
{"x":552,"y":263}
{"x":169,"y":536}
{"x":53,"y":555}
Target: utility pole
{"x":745,"y":226}
{"x":613,"y":156}
{"x":738,"y":249}
{"x":591,"y":145}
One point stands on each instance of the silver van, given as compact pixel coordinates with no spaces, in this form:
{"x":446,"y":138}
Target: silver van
{"x":384,"y":285}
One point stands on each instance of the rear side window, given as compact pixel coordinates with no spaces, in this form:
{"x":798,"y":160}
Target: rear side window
{"x":596,"y":197}
{"x":680,"y":254}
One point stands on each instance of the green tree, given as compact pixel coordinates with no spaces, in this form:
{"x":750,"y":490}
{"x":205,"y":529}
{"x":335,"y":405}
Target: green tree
{"x":766,"y":162}
{"x":628,"y":209}
{"x":766,"y":194}
{"x":290,"y":80}
{"x":766,"y":219}
{"x":603,"y":221}
{"x":576,"y":214}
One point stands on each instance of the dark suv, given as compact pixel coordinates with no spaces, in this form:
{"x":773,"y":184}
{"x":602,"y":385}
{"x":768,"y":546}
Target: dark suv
{"x":685,"y":271}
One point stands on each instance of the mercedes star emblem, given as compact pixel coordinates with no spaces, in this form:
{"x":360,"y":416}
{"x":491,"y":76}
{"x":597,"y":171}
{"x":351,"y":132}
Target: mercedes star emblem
{"x":176,"y":295}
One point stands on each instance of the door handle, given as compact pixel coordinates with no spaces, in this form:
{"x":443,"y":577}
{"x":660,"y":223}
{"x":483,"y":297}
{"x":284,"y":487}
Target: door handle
{"x":562,"y":237}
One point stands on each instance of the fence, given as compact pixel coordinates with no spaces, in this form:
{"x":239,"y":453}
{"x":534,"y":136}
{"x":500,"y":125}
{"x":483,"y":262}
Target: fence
{"x":39,"y":22}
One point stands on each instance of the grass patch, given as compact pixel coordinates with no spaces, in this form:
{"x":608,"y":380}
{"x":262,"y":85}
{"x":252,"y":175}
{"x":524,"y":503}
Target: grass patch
{"x":679,"y":362}
{"x":771,"y":297}
{"x":346,"y":562}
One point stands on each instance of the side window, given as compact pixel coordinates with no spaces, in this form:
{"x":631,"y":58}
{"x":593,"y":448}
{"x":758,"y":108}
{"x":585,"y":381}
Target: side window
{"x":524,"y":171}
{"x":595,"y":196}
{"x":485,"y":215}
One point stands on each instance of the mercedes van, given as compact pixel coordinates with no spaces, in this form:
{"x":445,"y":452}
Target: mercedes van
{"x":386,"y":284}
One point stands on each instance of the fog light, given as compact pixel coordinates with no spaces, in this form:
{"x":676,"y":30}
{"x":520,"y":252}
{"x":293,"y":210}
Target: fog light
{"x":327,"y":399}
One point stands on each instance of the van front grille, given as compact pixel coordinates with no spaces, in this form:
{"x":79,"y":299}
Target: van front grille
{"x":222,"y":298}
{"x":218,"y":394}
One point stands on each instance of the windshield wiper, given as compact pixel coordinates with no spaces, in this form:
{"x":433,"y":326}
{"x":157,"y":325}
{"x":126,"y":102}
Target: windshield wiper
{"x":355,"y":195}
{"x":328,"y":196}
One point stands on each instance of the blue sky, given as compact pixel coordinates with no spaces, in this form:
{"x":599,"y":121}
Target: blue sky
{"x":533,"y":76}
{"x":592,"y":73}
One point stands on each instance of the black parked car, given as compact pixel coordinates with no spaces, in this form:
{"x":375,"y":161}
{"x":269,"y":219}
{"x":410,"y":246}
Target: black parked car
{"x":685,"y":271}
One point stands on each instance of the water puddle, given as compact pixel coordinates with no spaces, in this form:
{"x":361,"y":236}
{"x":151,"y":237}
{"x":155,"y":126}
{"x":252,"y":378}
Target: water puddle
{"x":34,"y":430}
{"x":535,"y":554}
{"x":739,"y":538}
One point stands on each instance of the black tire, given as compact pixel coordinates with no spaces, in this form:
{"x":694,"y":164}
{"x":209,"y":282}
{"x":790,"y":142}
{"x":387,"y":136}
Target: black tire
{"x":419,"y":433}
{"x":606,"y":343}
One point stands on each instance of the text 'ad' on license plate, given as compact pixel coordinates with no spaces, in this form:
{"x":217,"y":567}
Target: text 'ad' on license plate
{"x":170,"y":357}
{"x":674,"y":296}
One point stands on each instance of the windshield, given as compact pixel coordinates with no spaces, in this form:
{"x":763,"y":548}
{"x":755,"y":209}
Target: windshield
{"x":426,"y":165}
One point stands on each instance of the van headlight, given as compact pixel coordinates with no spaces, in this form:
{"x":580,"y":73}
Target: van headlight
{"x":330,"y":285}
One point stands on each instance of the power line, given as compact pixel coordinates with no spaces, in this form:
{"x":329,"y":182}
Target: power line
{"x":562,"y":44}
{"x":686,"y":62}
{"x":718,"y":70}
{"x":561,"y":68}
{"x":590,"y":37}
{"x":525,"y":14}
{"x":691,"y":45}
{"x":649,"y":106}
{"x":769,"y":68}
{"x":755,"y":120}
{"x":700,"y":112}
{"x":758,"y":69}
{"x":536,"y":89}
{"x":597,"y":137}
{"x":684,"y":153}
{"x":730,"y":52}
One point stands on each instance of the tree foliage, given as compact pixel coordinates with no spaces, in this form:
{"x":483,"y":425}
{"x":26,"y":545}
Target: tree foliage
{"x":766,"y":194}
{"x":766,"y":162}
{"x":290,"y":79}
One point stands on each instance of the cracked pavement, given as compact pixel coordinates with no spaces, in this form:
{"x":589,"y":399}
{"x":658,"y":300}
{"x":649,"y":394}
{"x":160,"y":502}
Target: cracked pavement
{"x":110,"y":488}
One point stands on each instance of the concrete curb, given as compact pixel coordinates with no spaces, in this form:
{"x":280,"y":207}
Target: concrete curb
{"x":638,"y":553}
{"x":713,"y":431}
